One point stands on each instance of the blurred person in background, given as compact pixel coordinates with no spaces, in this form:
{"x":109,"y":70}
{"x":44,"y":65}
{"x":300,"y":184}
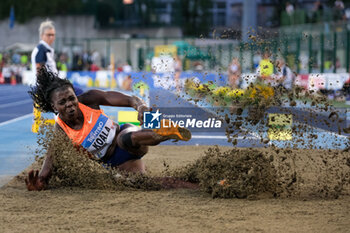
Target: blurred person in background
{"x":346,"y":92}
{"x":339,"y":4}
{"x":95,"y":58}
{"x":234,"y":73}
{"x":16,"y":58}
{"x":198,"y":66}
{"x":86,"y":60}
{"x":119,"y":66}
{"x":265,"y":69}
{"x":6,"y":73}
{"x":290,"y":12}
{"x":78,"y":63}
{"x":284,"y":75}
{"x":3,"y":60}
{"x":17,"y":71}
{"x":256,"y":60}
{"x":317,"y":12}
{"x":62,"y":62}
{"x":24,"y":61}
{"x":148,"y":67}
{"x":127,"y":83}
{"x":339,"y":10}
{"x":93,"y":67}
{"x":127,"y":67}
{"x":289,"y":8}
{"x":43,"y":54}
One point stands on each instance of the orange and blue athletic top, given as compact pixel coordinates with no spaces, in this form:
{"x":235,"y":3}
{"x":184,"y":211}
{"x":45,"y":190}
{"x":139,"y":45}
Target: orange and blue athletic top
{"x":97,"y":133}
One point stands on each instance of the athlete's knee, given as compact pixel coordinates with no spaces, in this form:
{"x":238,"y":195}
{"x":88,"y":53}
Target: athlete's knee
{"x":124,"y":138}
{"x":129,"y":127}
{"x":127,"y":142}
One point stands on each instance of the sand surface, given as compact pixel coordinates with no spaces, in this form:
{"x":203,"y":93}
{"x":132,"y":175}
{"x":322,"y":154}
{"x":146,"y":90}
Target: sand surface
{"x":183,"y":210}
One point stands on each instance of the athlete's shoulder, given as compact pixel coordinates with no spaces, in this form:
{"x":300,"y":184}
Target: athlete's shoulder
{"x":91,"y":98}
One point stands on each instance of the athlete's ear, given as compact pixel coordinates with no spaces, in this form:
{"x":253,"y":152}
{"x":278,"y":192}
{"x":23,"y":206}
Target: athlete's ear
{"x":54,"y":109}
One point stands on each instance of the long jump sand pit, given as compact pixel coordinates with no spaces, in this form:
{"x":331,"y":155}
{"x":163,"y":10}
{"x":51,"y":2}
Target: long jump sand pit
{"x":306,"y":191}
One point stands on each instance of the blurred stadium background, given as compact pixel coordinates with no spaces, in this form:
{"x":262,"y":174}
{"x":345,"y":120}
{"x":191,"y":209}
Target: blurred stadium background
{"x":97,"y":37}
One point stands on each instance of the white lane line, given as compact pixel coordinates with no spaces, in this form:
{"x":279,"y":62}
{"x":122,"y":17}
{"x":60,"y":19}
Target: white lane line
{"x":15,"y":103}
{"x":16,"y":119}
{"x":220,"y":137}
{"x":11,"y":115}
{"x":256,"y":135}
{"x":328,"y":132}
{"x":17,"y":96}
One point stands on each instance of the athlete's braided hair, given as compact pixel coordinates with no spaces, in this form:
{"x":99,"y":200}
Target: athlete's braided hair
{"x":46,"y":83}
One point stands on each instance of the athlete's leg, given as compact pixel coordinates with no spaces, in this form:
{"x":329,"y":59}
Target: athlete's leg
{"x":126,"y":140}
{"x":147,"y":137}
{"x":134,"y":140}
{"x":133,"y":144}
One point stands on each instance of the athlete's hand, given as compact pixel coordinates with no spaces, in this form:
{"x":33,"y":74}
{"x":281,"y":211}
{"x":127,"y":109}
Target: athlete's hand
{"x":141,"y":109}
{"x":33,"y":182}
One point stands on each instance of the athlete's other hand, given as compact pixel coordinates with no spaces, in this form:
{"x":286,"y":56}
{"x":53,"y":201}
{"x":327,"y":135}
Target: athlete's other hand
{"x":33,"y":181}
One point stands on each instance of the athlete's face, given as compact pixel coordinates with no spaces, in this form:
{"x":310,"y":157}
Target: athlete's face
{"x":49,"y":36}
{"x":65,"y":102}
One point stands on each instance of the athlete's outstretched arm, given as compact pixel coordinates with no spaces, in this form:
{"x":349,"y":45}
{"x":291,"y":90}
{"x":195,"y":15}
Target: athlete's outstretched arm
{"x":36,"y":180}
{"x":95,"y":98}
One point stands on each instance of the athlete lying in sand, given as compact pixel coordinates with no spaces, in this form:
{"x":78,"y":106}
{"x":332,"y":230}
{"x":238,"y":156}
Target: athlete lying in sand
{"x":82,"y":120}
